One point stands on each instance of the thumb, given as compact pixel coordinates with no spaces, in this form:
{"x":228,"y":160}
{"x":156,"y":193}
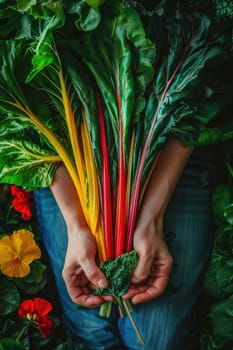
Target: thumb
{"x":94,"y":274}
{"x":142,"y":270}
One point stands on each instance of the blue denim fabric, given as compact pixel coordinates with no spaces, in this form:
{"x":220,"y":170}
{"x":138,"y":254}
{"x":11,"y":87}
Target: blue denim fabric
{"x":166,"y":322}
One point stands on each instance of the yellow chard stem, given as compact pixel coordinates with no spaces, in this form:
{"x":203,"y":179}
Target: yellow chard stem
{"x":73,"y":135}
{"x":93,"y":192}
{"x":60,"y":150}
{"x":92,"y":181}
{"x":72,"y":129}
{"x":99,"y":236}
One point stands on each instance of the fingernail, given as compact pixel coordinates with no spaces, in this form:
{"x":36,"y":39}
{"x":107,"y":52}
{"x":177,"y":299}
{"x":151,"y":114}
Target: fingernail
{"x":101,"y":283}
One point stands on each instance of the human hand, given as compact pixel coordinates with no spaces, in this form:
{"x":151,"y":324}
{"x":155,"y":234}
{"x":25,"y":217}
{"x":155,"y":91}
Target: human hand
{"x":80,"y":272}
{"x":150,"y":277}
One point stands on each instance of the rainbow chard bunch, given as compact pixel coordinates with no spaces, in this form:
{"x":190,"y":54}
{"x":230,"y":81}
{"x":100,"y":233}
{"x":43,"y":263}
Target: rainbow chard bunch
{"x":96,"y":95}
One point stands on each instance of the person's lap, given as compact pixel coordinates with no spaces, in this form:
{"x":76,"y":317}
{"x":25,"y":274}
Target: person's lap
{"x":165,"y":322}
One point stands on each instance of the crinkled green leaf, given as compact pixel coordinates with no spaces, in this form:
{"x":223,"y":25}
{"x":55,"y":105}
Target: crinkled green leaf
{"x":224,"y":241}
{"x":118,"y":273}
{"x":224,"y":279}
{"x":209,"y":281}
{"x":222,"y":320}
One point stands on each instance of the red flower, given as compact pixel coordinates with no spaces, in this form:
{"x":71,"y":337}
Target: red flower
{"x":22,"y":201}
{"x":36,"y":310}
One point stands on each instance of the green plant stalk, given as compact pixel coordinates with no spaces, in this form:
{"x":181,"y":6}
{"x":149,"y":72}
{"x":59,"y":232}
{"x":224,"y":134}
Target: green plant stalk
{"x":128,"y":312}
{"x":125,"y":308}
{"x":23,"y":330}
{"x":105,"y":309}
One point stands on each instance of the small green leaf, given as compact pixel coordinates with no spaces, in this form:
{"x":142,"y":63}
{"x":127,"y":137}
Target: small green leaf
{"x":221,"y":198}
{"x":36,"y":275}
{"x":30,"y":288}
{"x":224,"y":279}
{"x":88,"y":17}
{"x":228,"y":213}
{"x":94,"y":3}
{"x":118,"y":273}
{"x":9,"y":297}
{"x":10,"y":344}
{"x":222,"y":319}
{"x":24,"y":5}
{"x":209,"y":281}
{"x":70,"y":345}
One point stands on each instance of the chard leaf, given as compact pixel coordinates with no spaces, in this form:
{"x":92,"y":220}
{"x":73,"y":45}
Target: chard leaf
{"x":24,"y":5}
{"x":27,"y":164}
{"x":83,"y":85}
{"x":118,"y":273}
{"x":122,"y":68}
{"x":88,"y":18}
{"x":28,"y":145}
{"x":186,"y":88}
{"x":11,"y":21}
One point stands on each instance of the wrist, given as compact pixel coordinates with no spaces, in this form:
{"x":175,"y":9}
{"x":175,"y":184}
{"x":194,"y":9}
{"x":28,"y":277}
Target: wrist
{"x":150,"y":223}
{"x":76,"y":226}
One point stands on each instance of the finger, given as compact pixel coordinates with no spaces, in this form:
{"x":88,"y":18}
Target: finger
{"x":93,"y":273}
{"x":153,"y":290}
{"x":89,"y":301}
{"x":143,"y":268}
{"x":81,"y":294}
{"x":134,"y":290}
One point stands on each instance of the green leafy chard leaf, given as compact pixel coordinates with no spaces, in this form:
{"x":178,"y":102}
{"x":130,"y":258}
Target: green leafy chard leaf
{"x":32,"y":143}
{"x":122,"y":68}
{"x":187,"y":91}
{"x":118,"y":273}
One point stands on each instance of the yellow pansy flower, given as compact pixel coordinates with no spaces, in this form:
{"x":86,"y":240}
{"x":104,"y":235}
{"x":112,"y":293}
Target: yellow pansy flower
{"x":17,"y":251}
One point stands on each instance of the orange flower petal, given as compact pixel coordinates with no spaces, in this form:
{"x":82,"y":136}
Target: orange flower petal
{"x":17,"y":251}
{"x":6,"y":253}
{"x":16,"y":268}
{"x":30,"y":249}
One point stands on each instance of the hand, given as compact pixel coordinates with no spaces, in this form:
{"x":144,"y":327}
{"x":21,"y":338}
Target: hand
{"x":151,"y":274}
{"x":80,"y":271}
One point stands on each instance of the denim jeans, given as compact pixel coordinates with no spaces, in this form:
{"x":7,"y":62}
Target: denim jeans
{"x":167,"y":321}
